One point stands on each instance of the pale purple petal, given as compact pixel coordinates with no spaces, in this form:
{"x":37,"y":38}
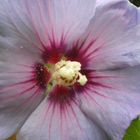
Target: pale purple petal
{"x":15,"y":24}
{"x":61,"y":19}
{"x":131,"y":9}
{"x":49,"y":19}
{"x":113,"y":38}
{"x":19,"y":91}
{"x":112,"y":99}
{"x":51,"y":122}
{"x":12,"y":117}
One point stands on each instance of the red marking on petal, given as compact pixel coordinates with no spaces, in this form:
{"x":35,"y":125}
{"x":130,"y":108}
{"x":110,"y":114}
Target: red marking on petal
{"x":75,"y":116}
{"x":98,"y":84}
{"x":34,"y":26}
{"x":94,"y":91}
{"x":48,"y":108}
{"x":90,"y":54}
{"x":54,"y":52}
{"x":28,"y":101}
{"x":61,"y":95}
{"x":42,"y":76}
{"x":14,"y":85}
{"x":88,"y":46}
{"x":76,"y":53}
{"x":37,"y":91}
{"x":52,"y":56}
{"x":19,"y":72}
{"x":102,"y":77}
{"x":51,"y":119}
{"x":15,"y":96}
{"x":18,"y":30}
{"x":88,"y":96}
{"x":25,"y":65}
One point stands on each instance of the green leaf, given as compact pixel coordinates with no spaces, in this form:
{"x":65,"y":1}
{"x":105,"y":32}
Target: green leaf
{"x":133,"y":131}
{"x":135,"y":2}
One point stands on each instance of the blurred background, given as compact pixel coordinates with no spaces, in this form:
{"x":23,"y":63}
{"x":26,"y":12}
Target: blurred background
{"x":136,"y":2}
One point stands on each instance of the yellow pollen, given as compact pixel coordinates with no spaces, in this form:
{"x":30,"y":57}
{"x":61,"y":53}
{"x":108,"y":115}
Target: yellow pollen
{"x":82,"y":79}
{"x":67,"y":73}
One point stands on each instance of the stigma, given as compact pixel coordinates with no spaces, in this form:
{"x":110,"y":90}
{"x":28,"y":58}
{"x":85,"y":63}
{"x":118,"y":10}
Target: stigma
{"x":67,"y":73}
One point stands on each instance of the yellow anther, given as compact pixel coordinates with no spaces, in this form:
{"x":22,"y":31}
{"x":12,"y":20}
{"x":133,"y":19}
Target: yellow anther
{"x":67,"y":73}
{"x":82,"y":79}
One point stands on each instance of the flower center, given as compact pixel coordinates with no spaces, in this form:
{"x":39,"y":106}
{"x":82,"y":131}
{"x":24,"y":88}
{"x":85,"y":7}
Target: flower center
{"x":67,"y":73}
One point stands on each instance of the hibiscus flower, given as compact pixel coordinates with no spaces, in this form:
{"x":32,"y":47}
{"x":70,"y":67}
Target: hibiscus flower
{"x":69,"y":69}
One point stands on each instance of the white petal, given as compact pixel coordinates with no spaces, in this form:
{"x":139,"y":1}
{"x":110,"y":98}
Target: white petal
{"x":113,"y":100}
{"x":51,"y":122}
